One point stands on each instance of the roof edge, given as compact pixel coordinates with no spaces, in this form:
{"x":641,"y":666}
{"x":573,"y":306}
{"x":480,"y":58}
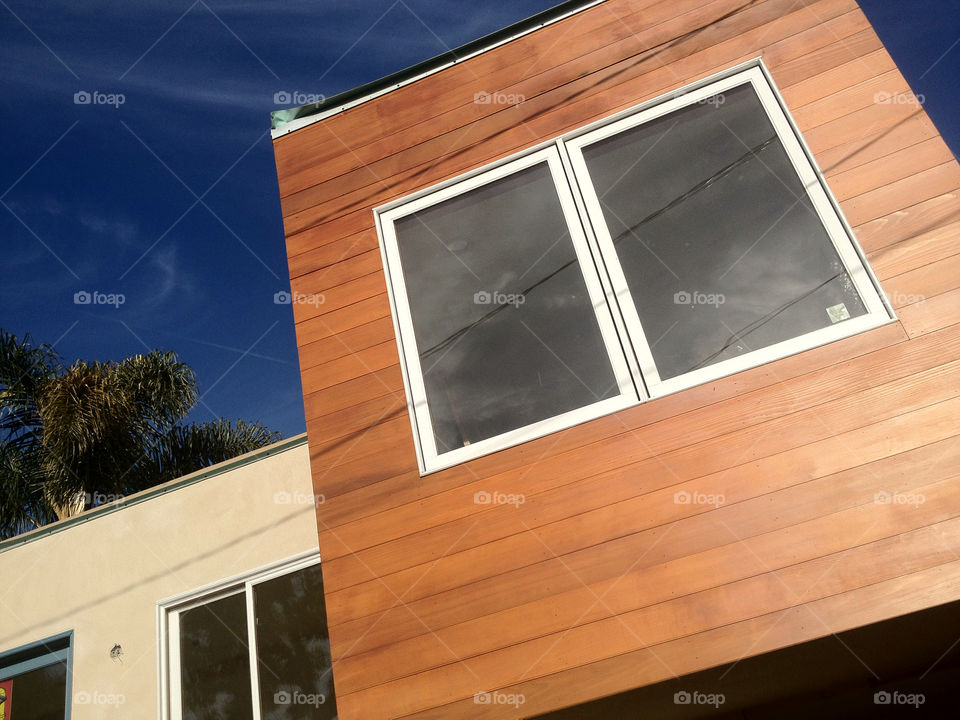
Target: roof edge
{"x":289,"y":120}
{"x":144,"y":495}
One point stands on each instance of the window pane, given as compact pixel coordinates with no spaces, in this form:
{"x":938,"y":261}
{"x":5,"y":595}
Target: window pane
{"x":505,"y":329}
{"x":36,"y":695}
{"x":214,"y":661}
{"x":293,"y":647}
{"x":721,"y":247}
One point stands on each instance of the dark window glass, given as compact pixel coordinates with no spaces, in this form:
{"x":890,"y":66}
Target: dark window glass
{"x":505,"y":329}
{"x":36,"y":695}
{"x":721,"y":247}
{"x":293,"y":648}
{"x":214,"y":661}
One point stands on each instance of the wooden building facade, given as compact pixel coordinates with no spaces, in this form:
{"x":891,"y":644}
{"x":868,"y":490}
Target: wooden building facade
{"x":811,"y":493}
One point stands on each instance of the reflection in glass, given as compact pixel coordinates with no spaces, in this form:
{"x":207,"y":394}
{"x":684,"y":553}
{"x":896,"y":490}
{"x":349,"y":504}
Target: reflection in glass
{"x":37,"y":695}
{"x":722,"y":249}
{"x":505,"y":329}
{"x":214,"y":661}
{"x":293,"y":648}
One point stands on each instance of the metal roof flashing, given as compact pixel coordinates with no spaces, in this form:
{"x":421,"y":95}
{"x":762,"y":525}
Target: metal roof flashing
{"x":288,"y":120}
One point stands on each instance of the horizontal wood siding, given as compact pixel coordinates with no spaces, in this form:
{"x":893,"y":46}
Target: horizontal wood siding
{"x":601,"y":581}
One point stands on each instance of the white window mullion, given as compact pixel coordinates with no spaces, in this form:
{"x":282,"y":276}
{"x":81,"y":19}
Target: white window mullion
{"x":173,"y":667}
{"x":252,"y":645}
{"x":576,"y":221}
{"x":600,"y":264}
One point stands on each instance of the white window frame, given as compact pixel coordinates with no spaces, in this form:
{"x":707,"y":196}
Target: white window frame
{"x":628,"y":348}
{"x":168,"y":628}
{"x":429,"y":456}
{"x":876,"y":312}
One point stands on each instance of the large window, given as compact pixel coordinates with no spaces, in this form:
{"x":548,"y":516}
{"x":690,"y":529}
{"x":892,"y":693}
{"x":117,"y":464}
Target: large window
{"x":683,"y":241}
{"x":35,"y":680}
{"x":256,"y":648}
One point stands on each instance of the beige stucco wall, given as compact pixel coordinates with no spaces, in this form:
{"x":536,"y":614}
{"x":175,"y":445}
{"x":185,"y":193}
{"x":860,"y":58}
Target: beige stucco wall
{"x":103,"y":578}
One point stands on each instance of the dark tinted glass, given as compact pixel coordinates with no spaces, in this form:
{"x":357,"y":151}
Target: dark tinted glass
{"x":214,"y":661}
{"x":293,"y":648}
{"x":36,"y":695}
{"x":505,"y":329}
{"x":721,"y":247}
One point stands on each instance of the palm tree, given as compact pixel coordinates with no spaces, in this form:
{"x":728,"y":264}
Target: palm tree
{"x":72,"y":435}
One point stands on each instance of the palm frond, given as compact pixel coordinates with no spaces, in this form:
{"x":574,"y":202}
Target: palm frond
{"x":187,"y":448}
{"x":163,"y":388}
{"x":23,"y":504}
{"x":24,"y":371}
{"x":68,"y":434}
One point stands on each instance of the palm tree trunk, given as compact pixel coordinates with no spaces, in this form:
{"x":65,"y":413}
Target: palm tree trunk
{"x":75,"y":506}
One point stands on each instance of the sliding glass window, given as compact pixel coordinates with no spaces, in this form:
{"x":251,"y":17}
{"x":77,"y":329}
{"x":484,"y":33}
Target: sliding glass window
{"x":256,"y":648}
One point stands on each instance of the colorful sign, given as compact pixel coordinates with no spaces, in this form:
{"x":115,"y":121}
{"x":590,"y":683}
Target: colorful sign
{"x":6,"y":699}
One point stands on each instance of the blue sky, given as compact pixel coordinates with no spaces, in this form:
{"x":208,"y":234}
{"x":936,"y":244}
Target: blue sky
{"x":170,"y":198}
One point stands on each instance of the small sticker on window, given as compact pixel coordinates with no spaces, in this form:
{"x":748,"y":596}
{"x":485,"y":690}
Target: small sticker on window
{"x":838,"y":313}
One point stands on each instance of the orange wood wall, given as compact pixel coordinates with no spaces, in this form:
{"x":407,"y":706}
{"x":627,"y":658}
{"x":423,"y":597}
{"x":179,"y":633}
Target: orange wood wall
{"x":600,"y":582}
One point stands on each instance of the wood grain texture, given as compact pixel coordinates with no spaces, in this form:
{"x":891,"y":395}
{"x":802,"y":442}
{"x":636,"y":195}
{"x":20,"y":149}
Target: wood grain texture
{"x":456,"y":570}
{"x":632,"y":591}
{"x":605,"y":579}
{"x":636,"y":78}
{"x":344,"y":570}
{"x":625,"y":631}
{"x":867,"y":604}
{"x":367,"y":499}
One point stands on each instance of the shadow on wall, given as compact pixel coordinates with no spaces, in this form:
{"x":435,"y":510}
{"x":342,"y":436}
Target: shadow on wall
{"x":69,"y":615}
